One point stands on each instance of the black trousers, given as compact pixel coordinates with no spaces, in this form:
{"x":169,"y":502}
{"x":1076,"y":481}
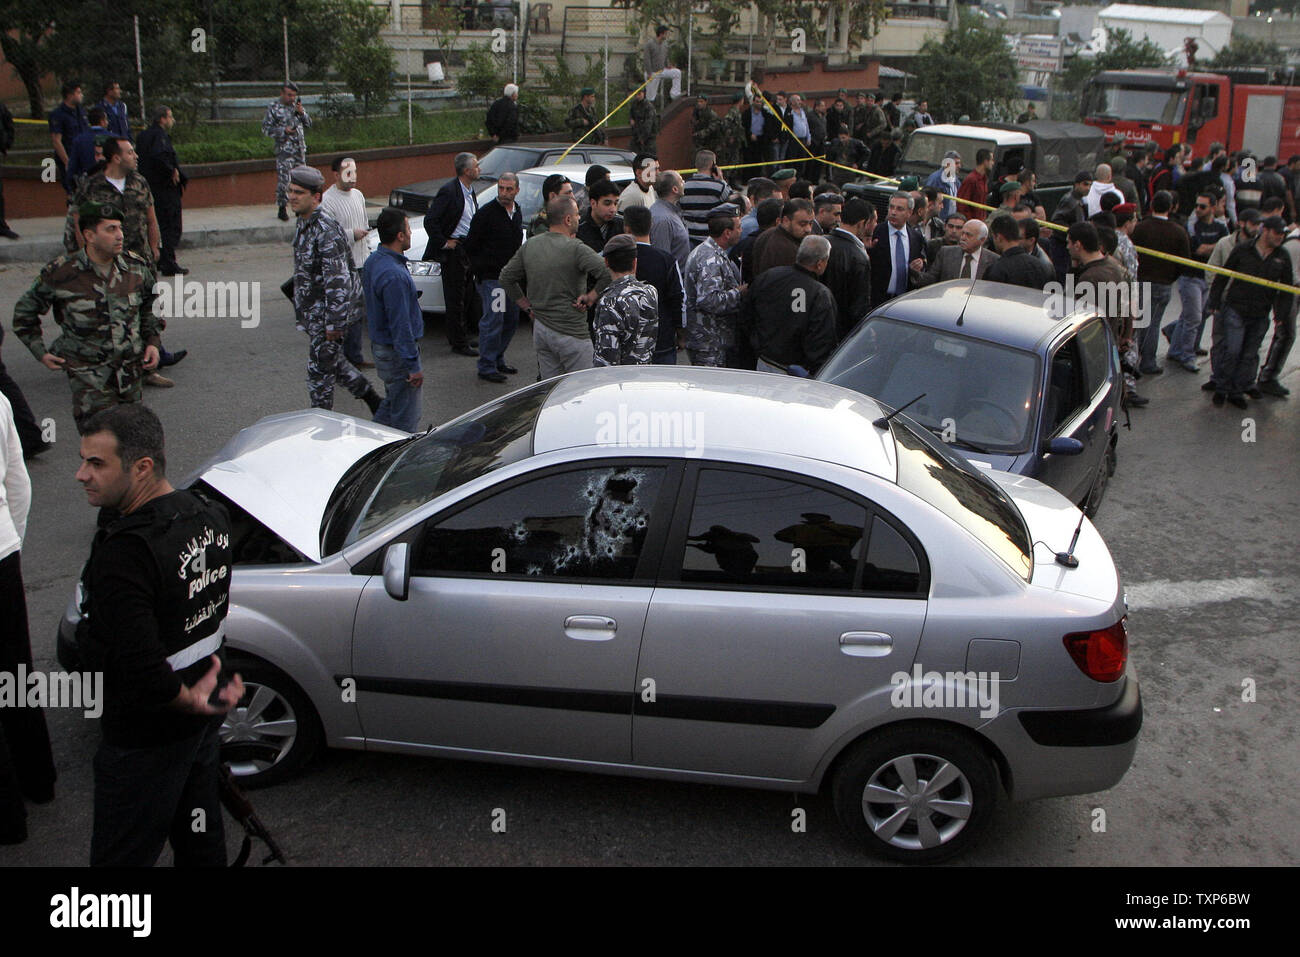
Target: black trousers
{"x":463,"y":308}
{"x":167,"y":207}
{"x":145,"y":797}
{"x":29,"y":432}
{"x":26,"y":761}
{"x":3,"y":224}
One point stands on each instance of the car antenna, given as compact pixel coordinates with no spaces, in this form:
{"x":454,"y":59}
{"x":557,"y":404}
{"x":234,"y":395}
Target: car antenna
{"x":883,"y":421}
{"x":1066,"y":557}
{"x":969,"y":292}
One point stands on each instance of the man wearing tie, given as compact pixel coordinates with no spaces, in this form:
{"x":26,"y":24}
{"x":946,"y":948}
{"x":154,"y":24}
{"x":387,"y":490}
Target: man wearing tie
{"x":447,"y":224}
{"x":899,"y":248}
{"x":968,"y":259}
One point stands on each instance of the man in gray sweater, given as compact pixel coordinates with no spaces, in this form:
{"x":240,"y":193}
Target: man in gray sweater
{"x":555,"y":266}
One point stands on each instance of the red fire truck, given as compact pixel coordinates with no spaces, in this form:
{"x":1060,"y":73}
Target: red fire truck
{"x":1242,"y":109}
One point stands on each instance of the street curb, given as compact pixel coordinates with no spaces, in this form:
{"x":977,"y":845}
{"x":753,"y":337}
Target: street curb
{"x":44,"y":250}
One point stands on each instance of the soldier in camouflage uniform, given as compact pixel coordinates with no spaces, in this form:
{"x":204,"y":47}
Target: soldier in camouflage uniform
{"x":583,"y":118}
{"x":645,"y":124}
{"x":713,"y":291}
{"x":626,"y":324}
{"x":285,"y":121}
{"x":705,"y":125}
{"x":140,"y":232}
{"x":102,"y":298}
{"x":327,"y":296}
{"x":732,"y":141}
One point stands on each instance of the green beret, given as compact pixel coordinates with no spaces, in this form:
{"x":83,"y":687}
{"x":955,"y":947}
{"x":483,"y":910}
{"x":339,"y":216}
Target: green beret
{"x":908,"y":183}
{"x":588,"y":91}
{"x":737,"y":98}
{"x":102,"y":210}
{"x":785,"y":174}
{"x":1011,"y":187}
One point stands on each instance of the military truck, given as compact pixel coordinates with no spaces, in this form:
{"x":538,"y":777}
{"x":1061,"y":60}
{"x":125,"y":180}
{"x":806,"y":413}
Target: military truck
{"x":1055,"y":151}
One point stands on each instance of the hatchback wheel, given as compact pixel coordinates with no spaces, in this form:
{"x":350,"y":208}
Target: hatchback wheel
{"x":915,"y":795}
{"x":273,"y":730}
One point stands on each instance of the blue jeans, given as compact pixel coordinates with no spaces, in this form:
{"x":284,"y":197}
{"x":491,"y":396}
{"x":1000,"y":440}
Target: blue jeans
{"x":1234,"y":357}
{"x":352,"y":343}
{"x":1186,"y":331}
{"x":1149,"y":337}
{"x":402,"y":401}
{"x":496,"y":327}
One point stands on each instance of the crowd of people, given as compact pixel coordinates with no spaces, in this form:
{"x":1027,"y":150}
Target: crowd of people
{"x":769,"y":276}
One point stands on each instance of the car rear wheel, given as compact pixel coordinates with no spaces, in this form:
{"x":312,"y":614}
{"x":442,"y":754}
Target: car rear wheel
{"x":273,"y":731}
{"x":917,"y":795}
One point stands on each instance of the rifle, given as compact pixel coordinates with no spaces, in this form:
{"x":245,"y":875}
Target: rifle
{"x":241,"y":809}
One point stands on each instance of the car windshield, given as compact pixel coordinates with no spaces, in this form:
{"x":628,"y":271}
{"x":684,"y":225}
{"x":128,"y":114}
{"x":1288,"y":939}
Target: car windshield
{"x":504,"y":159}
{"x":405,"y":475}
{"x":925,"y":151}
{"x":978,"y":395}
{"x":958,"y":490}
{"x":1150,"y":104}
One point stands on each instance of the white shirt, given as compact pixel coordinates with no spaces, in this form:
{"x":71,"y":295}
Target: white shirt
{"x":467,"y":214}
{"x":349,"y":208}
{"x":15,"y":486}
{"x":118,"y":184}
{"x":1092,"y":202}
{"x":634,"y":195}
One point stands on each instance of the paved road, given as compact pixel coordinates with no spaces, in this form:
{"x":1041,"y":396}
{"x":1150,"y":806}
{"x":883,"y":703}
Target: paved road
{"x":1202,"y":525}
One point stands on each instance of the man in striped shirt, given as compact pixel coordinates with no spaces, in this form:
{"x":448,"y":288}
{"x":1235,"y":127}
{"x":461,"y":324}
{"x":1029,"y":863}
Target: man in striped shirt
{"x":702,"y":192}
{"x":347,"y":205}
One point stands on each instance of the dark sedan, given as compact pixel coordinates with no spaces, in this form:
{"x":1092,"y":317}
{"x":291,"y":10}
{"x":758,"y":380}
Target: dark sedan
{"x":999,"y":379}
{"x":415,"y":199}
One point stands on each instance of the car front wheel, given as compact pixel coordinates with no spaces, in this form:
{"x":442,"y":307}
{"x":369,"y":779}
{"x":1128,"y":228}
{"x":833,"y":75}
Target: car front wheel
{"x":917,"y":795}
{"x":273,"y":730}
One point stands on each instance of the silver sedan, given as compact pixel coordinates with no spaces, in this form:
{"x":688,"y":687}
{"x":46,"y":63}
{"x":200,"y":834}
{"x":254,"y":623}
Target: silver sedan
{"x":696,"y":574}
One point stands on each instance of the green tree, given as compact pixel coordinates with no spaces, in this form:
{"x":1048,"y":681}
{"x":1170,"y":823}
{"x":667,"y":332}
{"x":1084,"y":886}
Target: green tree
{"x":24,"y":41}
{"x":1246,"y":51}
{"x":969,"y":70}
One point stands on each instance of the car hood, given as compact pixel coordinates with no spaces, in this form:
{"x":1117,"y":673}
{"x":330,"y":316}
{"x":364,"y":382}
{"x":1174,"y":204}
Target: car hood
{"x":283,"y":469}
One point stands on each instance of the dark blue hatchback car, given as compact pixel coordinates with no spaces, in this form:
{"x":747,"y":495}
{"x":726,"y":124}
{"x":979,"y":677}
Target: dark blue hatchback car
{"x":1004,"y":383}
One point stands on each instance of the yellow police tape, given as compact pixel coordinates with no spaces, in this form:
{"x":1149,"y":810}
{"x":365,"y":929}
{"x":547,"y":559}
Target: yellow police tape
{"x":600,"y":124}
{"x":1181,"y":260}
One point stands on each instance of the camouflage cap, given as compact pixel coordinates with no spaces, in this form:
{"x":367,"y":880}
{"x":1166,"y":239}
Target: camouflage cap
{"x":308,"y":177}
{"x":618,"y":243}
{"x":101,"y":210}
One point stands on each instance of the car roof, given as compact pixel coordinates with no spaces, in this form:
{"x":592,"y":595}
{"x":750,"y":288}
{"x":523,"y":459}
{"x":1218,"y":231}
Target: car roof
{"x":993,"y":311}
{"x":710,"y":411}
{"x":966,"y":131}
{"x":578,"y":171}
{"x":557,"y":145}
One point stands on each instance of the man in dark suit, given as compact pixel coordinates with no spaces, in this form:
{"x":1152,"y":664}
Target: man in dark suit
{"x":895,"y":240}
{"x":660,"y":270}
{"x":967,"y":260}
{"x":447,"y":224}
{"x":848,"y":272}
{"x":1017,"y":267}
{"x":166,"y":180}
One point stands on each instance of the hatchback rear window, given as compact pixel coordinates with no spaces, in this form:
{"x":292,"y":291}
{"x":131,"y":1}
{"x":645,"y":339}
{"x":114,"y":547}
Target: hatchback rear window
{"x":958,"y":490}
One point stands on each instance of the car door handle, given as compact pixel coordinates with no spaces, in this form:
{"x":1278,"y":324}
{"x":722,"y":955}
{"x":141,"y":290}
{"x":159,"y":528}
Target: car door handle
{"x":866,"y":644}
{"x":590,"y":627}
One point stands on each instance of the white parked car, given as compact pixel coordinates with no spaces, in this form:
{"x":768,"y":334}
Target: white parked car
{"x":428,"y":275}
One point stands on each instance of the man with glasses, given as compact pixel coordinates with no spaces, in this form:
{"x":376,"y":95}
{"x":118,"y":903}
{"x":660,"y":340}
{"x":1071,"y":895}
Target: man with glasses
{"x":1185,"y":334}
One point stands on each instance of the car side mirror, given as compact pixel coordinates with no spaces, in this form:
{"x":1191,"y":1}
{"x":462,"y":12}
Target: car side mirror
{"x":397,"y":570}
{"x":1063,"y":445}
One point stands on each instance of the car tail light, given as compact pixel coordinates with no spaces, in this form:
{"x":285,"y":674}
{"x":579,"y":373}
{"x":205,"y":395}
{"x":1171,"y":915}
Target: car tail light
{"x":1100,"y":655}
